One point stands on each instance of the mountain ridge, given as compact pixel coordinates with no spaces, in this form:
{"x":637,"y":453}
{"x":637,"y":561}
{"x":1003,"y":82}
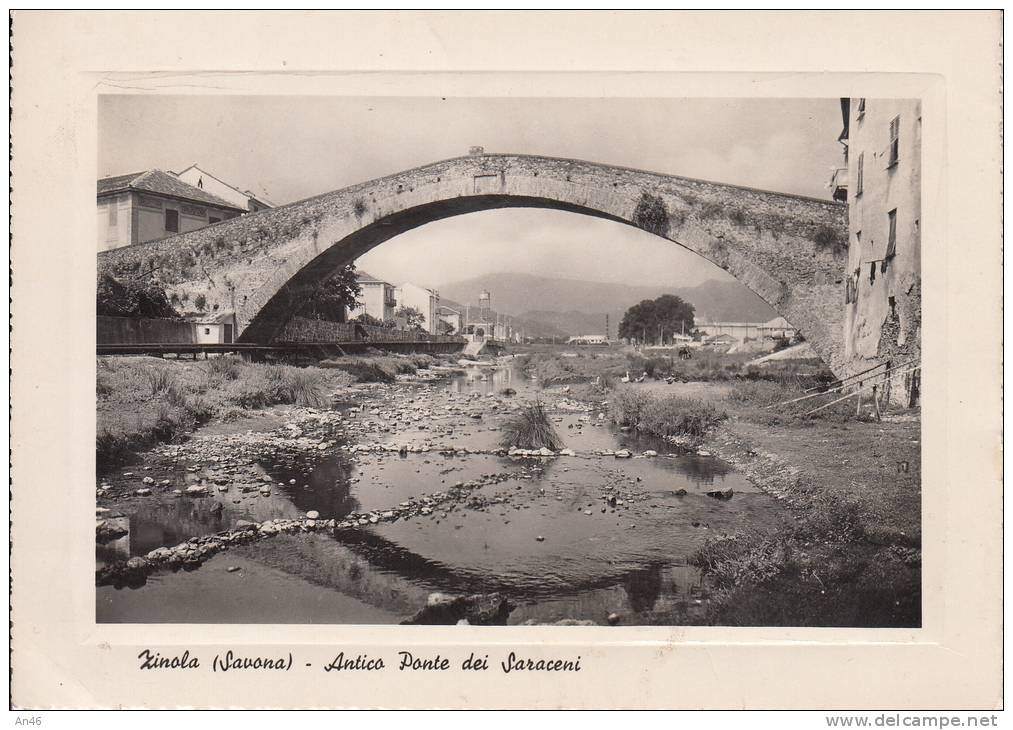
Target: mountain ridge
{"x":557,"y":306}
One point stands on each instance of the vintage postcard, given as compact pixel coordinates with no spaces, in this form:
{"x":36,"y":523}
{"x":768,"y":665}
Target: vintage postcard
{"x":502,"y":381}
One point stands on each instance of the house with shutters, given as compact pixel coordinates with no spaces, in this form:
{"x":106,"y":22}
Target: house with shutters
{"x":144,"y":206}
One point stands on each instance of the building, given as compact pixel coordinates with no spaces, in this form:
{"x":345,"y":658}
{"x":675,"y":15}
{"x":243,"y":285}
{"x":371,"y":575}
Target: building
{"x":721,"y":339}
{"x":204,"y":180}
{"x":882,"y":151}
{"x":215,"y":330}
{"x":588,"y":340}
{"x":742,"y":331}
{"x":426,"y":301}
{"x":144,"y":206}
{"x":452,"y":317}
{"x":376,"y":299}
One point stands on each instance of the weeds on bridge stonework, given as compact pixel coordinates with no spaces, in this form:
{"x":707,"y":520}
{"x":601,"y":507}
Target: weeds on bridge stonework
{"x":651,"y":214}
{"x":710,"y":210}
{"x":830,"y":238}
{"x":737,"y":217}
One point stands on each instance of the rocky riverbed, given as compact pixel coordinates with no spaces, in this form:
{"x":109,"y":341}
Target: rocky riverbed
{"x":360,"y":512}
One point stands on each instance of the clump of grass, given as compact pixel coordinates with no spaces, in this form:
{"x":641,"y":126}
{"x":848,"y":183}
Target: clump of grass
{"x":221,"y":368}
{"x":379,"y":368}
{"x":666,"y":417}
{"x":303,"y":388}
{"x":674,"y":416}
{"x":531,"y":429}
{"x":627,"y":406}
{"x":159,"y":380}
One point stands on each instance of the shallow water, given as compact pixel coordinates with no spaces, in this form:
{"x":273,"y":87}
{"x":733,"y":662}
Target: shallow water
{"x":592,"y":559}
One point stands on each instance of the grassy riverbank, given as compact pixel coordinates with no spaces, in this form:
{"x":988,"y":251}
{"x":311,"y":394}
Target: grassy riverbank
{"x":852,"y":555}
{"x":143,"y":401}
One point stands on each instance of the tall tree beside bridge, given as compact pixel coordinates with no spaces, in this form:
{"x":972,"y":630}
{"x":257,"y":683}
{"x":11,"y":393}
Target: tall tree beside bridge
{"x":413,"y":318}
{"x":655,"y":320}
{"x":329,"y":299}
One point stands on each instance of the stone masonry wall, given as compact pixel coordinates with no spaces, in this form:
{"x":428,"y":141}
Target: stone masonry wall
{"x":788,"y":249}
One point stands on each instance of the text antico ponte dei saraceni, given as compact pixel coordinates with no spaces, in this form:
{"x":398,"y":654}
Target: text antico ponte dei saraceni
{"x":403,"y":661}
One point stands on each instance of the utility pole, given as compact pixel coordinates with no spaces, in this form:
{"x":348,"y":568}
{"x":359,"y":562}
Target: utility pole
{"x":606,"y":327}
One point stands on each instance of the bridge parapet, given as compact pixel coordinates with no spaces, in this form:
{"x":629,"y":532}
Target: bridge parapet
{"x":786,"y":248}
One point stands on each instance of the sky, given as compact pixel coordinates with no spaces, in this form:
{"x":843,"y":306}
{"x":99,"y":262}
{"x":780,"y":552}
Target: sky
{"x":292,"y":147}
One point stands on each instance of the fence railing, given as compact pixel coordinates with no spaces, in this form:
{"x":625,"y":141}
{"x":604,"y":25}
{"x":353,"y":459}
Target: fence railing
{"x":314,"y":330}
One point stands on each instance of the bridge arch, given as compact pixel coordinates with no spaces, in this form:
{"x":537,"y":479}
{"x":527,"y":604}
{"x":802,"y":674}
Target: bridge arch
{"x":787,"y":249}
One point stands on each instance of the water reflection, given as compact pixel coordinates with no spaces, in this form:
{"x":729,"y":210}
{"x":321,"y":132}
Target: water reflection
{"x":326,"y":487}
{"x":553,"y":545}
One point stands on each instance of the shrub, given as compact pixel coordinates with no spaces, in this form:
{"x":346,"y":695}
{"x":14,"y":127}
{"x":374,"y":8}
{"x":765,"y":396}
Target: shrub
{"x":651,"y":214}
{"x":531,"y":429}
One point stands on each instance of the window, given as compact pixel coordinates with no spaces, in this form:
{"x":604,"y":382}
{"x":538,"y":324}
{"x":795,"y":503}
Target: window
{"x":207,"y":330}
{"x":114,"y":215}
{"x":894,"y":141}
{"x":872,"y":272}
{"x":861,"y":107}
{"x":891,"y":244}
{"x":172,"y":221}
{"x":212,"y":220}
{"x":858,"y":240}
{"x":860,"y":181}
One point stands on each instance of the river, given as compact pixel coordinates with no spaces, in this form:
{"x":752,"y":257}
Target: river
{"x":542,"y":531}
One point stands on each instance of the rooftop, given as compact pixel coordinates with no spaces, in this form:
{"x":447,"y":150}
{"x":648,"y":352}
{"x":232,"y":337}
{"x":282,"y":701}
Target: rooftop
{"x":160,"y":183}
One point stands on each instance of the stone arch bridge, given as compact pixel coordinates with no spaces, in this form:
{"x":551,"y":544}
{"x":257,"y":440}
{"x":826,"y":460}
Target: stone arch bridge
{"x":790,"y":250}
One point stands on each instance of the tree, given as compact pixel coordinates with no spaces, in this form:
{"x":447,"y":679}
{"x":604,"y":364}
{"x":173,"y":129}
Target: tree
{"x":655,"y":319}
{"x":131,"y":298}
{"x":369,"y":319}
{"x":414,"y":319}
{"x":330,"y":298}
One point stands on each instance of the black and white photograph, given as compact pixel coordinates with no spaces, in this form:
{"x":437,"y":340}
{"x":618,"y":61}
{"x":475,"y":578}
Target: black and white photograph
{"x":518,"y":361}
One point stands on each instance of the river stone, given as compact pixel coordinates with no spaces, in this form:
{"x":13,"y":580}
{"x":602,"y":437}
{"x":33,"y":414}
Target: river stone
{"x":622,"y":454}
{"x":143,"y":492}
{"x":196,"y":490}
{"x":108,"y":530}
{"x":313,"y":514}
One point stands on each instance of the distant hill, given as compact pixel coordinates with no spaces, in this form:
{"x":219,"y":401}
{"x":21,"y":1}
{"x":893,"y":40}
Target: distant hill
{"x":530,"y":327}
{"x":552,"y":306}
